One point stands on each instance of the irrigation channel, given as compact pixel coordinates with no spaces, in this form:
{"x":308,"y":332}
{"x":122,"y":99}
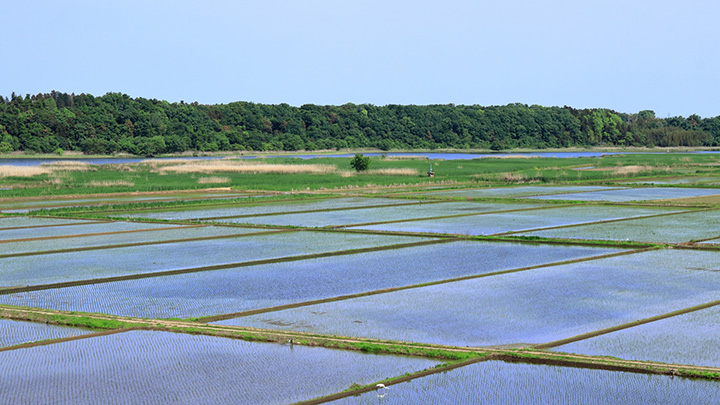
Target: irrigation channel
{"x":560,"y":277}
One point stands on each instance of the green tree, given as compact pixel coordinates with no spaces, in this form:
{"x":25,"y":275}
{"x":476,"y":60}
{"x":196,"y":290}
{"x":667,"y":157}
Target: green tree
{"x":360,"y":163}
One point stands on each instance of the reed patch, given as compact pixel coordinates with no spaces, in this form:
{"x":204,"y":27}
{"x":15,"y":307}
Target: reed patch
{"x":214,"y":180}
{"x":238,"y":166}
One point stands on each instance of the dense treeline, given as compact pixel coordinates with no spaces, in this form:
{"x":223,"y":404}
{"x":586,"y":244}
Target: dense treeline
{"x":47,"y":123}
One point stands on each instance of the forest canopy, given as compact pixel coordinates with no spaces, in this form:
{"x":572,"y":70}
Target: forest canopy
{"x":115,"y":122}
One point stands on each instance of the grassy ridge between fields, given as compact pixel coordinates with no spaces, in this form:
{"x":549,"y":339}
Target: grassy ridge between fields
{"x":454,"y":356}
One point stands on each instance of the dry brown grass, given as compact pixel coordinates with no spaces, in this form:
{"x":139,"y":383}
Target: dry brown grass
{"x":237,"y":166}
{"x":380,"y":172}
{"x":46,"y":168}
{"x":23,"y":171}
{"x":400,"y":171}
{"x":635,"y":169}
{"x":213,"y":180}
{"x":627,"y":170}
{"x":109,"y":183}
{"x":70,"y":166}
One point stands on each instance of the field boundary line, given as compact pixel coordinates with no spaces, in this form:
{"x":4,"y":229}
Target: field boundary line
{"x":470,"y":214}
{"x":393,"y":381}
{"x":223,"y":317}
{"x":137,"y":276}
{"x":460,"y":354}
{"x":120,"y":194}
{"x":65,"y":339}
{"x":102,"y":203}
{"x":627,"y":325}
{"x":218,"y":203}
{"x":269,"y":214}
{"x":87,"y":222}
{"x":148,"y":243}
{"x":604,"y":221}
{"x":82,"y":235}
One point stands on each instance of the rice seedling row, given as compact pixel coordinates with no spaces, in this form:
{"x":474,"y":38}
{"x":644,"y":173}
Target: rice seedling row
{"x":31,"y":205}
{"x":12,"y":222}
{"x":690,"y":338}
{"x":250,"y":288}
{"x":269,"y":208}
{"x":682,"y":227}
{"x":86,"y":265}
{"x":497,"y":223}
{"x":521,"y":308}
{"x":145,"y":234}
{"x":16,"y":332}
{"x":169,"y":367}
{"x":521,"y":191}
{"x":386,"y":214}
{"x":632,"y":194}
{"x":79,"y":231}
{"x":495,"y":382}
{"x":675,"y":180}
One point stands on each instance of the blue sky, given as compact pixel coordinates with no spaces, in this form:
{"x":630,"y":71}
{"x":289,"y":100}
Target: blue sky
{"x":626,"y":55}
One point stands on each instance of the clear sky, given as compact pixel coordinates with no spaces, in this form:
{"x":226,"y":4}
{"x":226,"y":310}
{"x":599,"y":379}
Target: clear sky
{"x":627,"y":55}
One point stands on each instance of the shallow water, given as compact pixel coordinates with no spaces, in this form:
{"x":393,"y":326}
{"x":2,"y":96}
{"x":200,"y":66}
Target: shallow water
{"x":162,"y":367}
{"x":493,"y":382}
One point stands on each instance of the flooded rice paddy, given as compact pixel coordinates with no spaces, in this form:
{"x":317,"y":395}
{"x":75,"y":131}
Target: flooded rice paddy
{"x":162,"y":367}
{"x":385,"y":268}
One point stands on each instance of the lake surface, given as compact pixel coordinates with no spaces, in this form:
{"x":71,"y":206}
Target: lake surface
{"x":429,"y":155}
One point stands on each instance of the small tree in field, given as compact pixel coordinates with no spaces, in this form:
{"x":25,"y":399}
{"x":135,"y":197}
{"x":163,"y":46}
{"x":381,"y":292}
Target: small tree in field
{"x":360,"y":162}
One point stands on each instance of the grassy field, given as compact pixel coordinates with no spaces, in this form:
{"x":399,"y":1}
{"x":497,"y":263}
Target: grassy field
{"x":324,"y":173}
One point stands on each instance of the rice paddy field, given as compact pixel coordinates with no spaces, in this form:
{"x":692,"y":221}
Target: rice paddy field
{"x":598,"y":287}
{"x":241,"y":289}
{"x":688,"y":338}
{"x":518,"y":221}
{"x":632,"y":194}
{"x":536,"y":306}
{"x":233,"y":371}
{"x":683,"y":227}
{"x":16,"y":333}
{"x":502,"y":383}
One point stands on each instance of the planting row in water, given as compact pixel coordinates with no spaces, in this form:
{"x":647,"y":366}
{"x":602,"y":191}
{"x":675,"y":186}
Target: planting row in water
{"x":689,"y":338}
{"x":255,"y":287}
{"x":496,"y":223}
{"x":98,"y":264}
{"x":15,"y":332}
{"x":385,"y":214}
{"x":168,"y":367}
{"x":670,"y":228}
{"x":144,"y":234}
{"x":263,"y":209}
{"x":632,"y":194}
{"x":522,"y":191}
{"x":19,"y":206}
{"x":523,"y":308}
{"x":494,"y":382}
{"x":8,"y":223}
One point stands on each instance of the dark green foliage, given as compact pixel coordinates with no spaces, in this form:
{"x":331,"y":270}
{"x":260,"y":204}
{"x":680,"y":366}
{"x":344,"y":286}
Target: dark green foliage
{"x":360,"y":163}
{"x":117,"y":123}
